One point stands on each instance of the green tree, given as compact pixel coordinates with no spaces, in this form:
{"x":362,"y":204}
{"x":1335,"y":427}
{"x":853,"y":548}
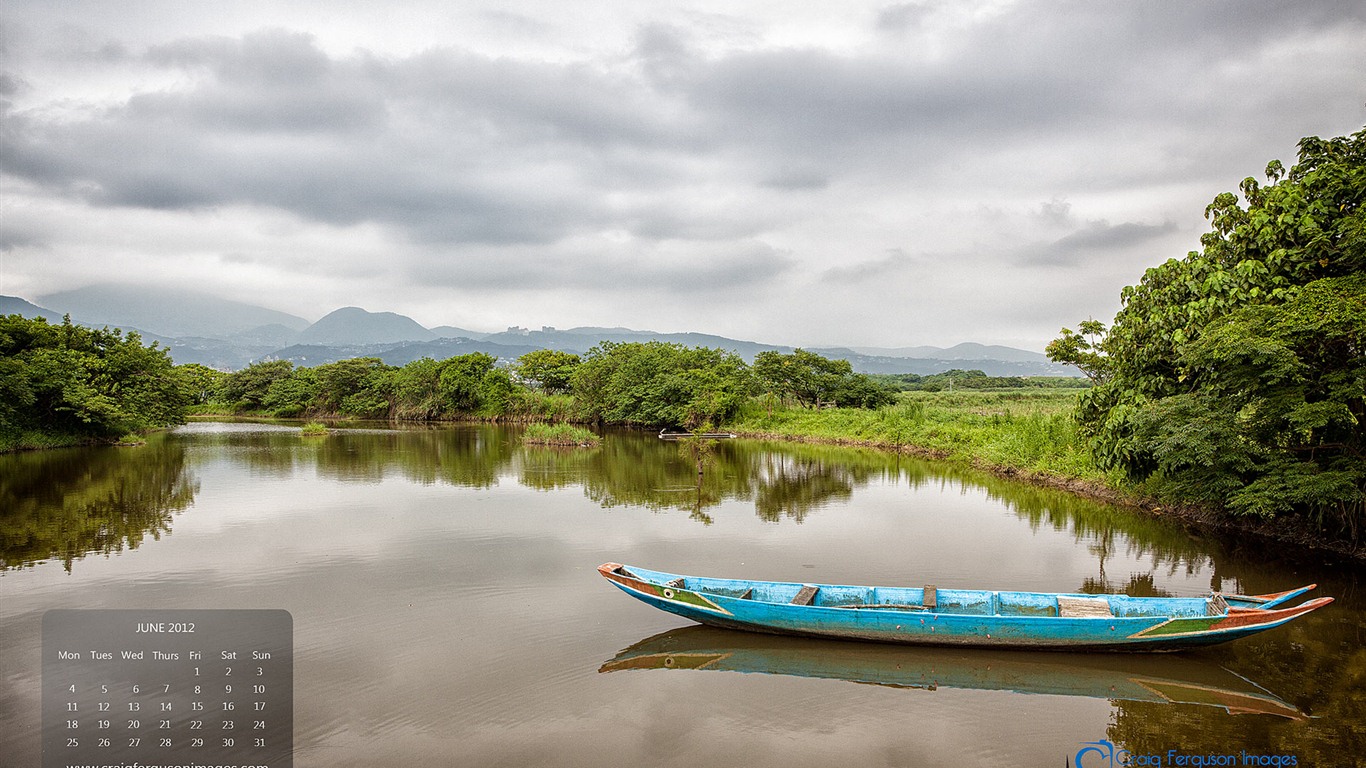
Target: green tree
{"x":498,"y":393}
{"x":73,"y":382}
{"x":1234,"y":374}
{"x":293,"y":395}
{"x":361,"y":387}
{"x":415,"y":390}
{"x":814,"y":380}
{"x":1082,"y":349}
{"x":660,"y":384}
{"x":200,"y":383}
{"x":549,"y":369}
{"x":461,"y":381}
{"x":247,"y":389}
{"x":1272,"y":420}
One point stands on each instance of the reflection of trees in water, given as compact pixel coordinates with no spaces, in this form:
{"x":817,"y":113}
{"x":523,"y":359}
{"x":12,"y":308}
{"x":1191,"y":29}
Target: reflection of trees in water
{"x":470,"y":456}
{"x":782,"y":480}
{"x":65,"y":504}
{"x":652,"y":473}
{"x":655,"y":474}
{"x":551,"y":468}
{"x":1317,"y":671}
{"x":793,"y":486}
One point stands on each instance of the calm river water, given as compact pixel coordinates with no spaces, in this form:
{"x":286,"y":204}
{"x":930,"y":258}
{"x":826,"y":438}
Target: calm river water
{"x":446,"y":608}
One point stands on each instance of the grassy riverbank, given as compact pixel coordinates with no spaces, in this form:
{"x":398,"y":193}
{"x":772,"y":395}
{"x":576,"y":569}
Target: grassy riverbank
{"x":1031,"y":431}
{"x":1024,"y":434}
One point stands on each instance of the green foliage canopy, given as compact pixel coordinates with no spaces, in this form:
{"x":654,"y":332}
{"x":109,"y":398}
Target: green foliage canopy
{"x":661,"y":384}
{"x":77,"y":382}
{"x":814,"y":380}
{"x":249,"y":388}
{"x":1236,"y":374}
{"x":550,"y":369}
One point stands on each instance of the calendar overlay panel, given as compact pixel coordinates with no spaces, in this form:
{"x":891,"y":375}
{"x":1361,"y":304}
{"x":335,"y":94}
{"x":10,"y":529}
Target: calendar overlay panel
{"x":161,"y":688}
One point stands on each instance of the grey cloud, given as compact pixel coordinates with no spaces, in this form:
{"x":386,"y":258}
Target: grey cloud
{"x":1079,"y":77}
{"x":11,"y":238}
{"x":448,"y":145}
{"x":1097,"y":237}
{"x":796,"y":178}
{"x":1057,"y":212}
{"x":267,"y":81}
{"x":736,"y":267}
{"x":573,"y":108}
{"x":901,"y":17}
{"x":665,"y":54}
{"x":516,"y":22}
{"x":1101,"y":235}
{"x":698,"y":146}
{"x":279,"y":124}
{"x":893,"y":262}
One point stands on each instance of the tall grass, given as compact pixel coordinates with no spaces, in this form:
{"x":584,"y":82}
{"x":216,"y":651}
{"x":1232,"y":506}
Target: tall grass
{"x":29,"y":440}
{"x":560,"y":435}
{"x":1027,"y":430}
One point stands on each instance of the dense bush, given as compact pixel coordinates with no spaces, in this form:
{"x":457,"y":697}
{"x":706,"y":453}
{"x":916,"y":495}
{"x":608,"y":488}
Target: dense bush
{"x":659,"y":384}
{"x":67,"y":382}
{"x":1236,"y":375}
{"x":816,"y":381}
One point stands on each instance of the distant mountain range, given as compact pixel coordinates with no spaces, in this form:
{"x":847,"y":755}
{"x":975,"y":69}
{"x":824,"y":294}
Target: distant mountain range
{"x":230,"y":335}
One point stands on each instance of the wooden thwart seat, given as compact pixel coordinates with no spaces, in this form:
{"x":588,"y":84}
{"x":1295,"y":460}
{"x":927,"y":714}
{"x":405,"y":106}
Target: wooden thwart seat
{"x":1084,"y":607}
{"x":805,"y":595}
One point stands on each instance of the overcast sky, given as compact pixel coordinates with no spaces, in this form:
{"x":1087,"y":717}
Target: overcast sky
{"x":804,"y":173}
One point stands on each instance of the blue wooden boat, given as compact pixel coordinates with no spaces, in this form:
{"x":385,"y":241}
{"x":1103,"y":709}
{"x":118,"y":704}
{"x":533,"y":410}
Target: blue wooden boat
{"x":931,"y":616}
{"x":1154,"y":678}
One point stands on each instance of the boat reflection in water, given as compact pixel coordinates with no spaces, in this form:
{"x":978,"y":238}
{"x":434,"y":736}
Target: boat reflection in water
{"x":1164,"y":680}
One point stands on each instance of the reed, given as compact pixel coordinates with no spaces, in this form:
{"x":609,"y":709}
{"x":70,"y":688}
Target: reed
{"x":1030,"y":430}
{"x":560,"y":435}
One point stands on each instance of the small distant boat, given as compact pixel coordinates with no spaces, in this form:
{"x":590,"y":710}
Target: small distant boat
{"x":665,"y":434}
{"x":1158,"y":679}
{"x":932,"y":616}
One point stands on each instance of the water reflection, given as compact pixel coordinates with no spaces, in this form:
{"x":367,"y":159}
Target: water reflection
{"x":1160,"y":681}
{"x":108,"y":499}
{"x":65,"y":504}
{"x":777,"y":507}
